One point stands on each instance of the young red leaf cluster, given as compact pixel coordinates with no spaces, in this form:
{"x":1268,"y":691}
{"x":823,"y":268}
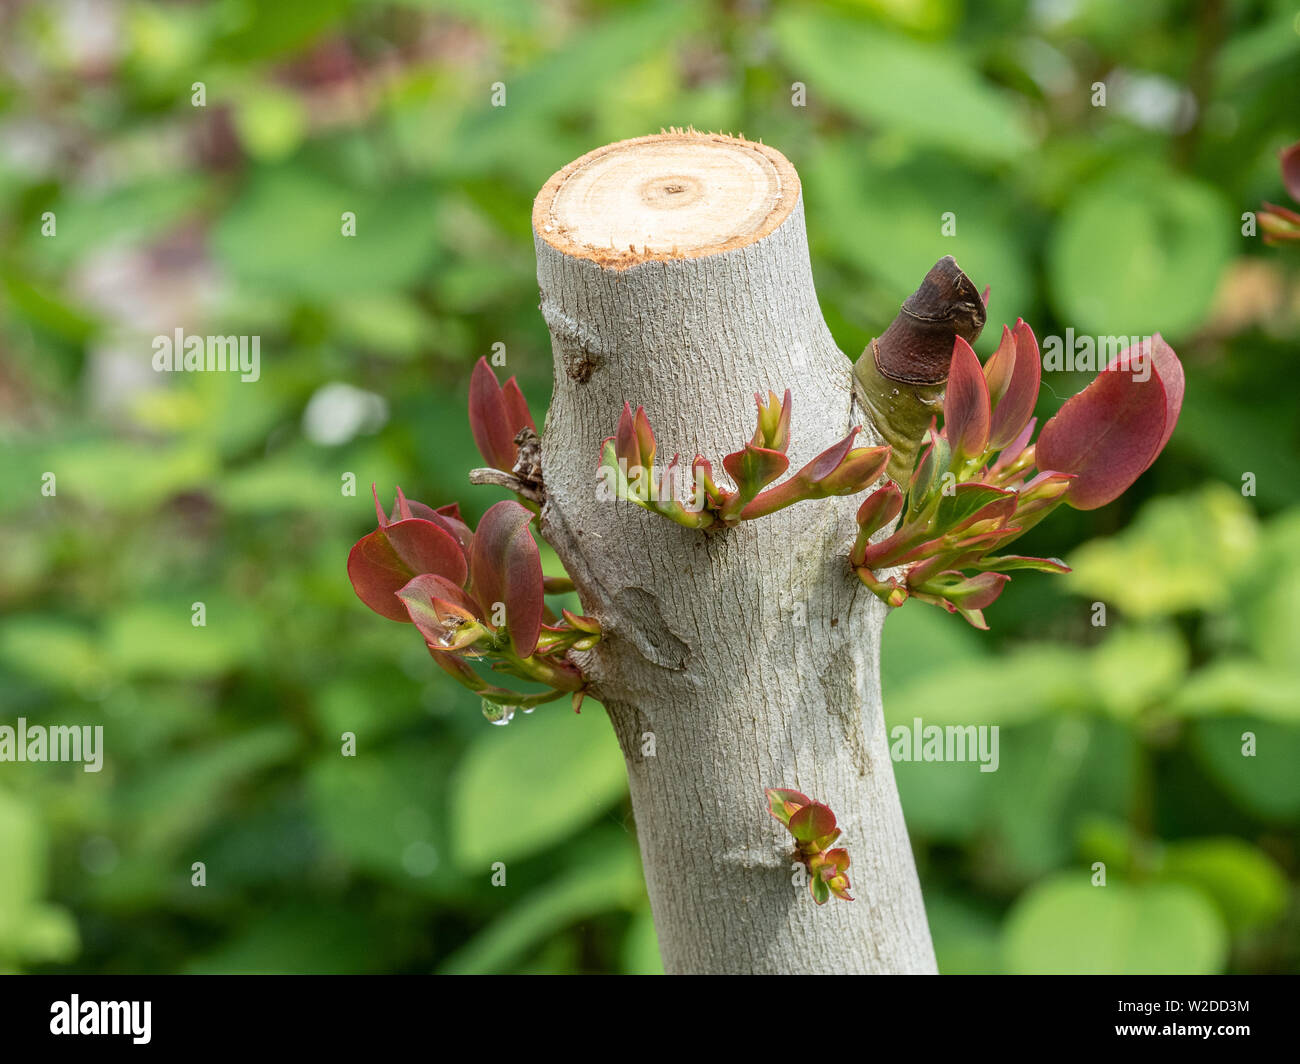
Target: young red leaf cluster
{"x":498,"y":414}
{"x":479,"y":595}
{"x":627,"y":462}
{"x":473,"y":595}
{"x":980,"y":483}
{"x":813,"y":826}
{"x":977,"y":485}
{"x":1281,"y":225}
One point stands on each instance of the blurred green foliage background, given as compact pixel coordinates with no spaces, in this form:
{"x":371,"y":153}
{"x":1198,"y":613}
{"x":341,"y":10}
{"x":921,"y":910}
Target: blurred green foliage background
{"x":1120,"y":744}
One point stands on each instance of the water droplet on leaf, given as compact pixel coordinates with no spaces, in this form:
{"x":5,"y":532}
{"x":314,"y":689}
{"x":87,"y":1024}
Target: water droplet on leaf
{"x":497,"y":714}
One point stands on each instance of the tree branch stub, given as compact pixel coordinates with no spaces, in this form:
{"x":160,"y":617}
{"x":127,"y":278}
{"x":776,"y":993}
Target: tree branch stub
{"x":674,"y":273}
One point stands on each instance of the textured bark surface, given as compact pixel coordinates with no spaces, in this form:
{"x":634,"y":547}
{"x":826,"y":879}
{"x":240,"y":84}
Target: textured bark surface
{"x":750,"y":655}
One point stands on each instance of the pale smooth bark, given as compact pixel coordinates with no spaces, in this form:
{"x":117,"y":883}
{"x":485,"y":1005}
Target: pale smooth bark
{"x":747,"y":658}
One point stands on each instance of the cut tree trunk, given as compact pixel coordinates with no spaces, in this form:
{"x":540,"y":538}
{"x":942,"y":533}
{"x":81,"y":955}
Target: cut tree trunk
{"x":674,"y":274}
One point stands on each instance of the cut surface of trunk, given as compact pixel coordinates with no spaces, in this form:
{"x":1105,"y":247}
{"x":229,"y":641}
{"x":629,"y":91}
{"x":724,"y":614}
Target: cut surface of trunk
{"x":674,"y":274}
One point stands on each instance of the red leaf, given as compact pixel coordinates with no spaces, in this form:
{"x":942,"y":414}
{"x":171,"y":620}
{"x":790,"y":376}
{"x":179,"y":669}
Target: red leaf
{"x":1291,"y":170}
{"x":966,"y":413}
{"x":1170,"y":370}
{"x":881,"y":507}
{"x":1109,"y":433}
{"x":925,"y":471}
{"x":506,"y":567}
{"x":458,"y":668}
{"x":978,"y":592}
{"x":516,"y":406}
{"x":1016,"y":447}
{"x":828,"y":461}
{"x":496,"y":415}
{"x":445,"y":517}
{"x":1014,"y":405}
{"x":834,"y":870}
{"x":627,"y":445}
{"x":382,"y":563}
{"x":702,"y":479}
{"x":1000,"y":366}
{"x":645,"y":438}
{"x":860,"y":468}
{"x":449,"y":518}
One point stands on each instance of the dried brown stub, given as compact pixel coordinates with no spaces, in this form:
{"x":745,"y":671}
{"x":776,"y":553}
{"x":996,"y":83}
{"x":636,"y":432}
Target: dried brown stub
{"x":917,"y":346}
{"x":904,"y":372}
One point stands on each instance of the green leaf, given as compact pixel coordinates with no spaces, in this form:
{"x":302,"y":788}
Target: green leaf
{"x":1023,"y":685}
{"x":820,"y":891}
{"x":514,"y":793}
{"x":1008,"y":563}
{"x":284,"y":234}
{"x":271,"y":122}
{"x":290,"y":481}
{"x":1180,"y":553}
{"x":609,"y":880}
{"x":525,"y":137}
{"x":1237,"y":684}
{"x":640,"y":952}
{"x":1137,"y":667}
{"x":126,"y":477}
{"x":965,"y":937}
{"x":1263,"y":780}
{"x":1052,"y":772}
{"x":893,"y":82}
{"x":56,"y":652}
{"x":128,"y":215}
{"x":918,"y":639}
{"x":387,"y":322}
{"x":881,"y":220}
{"x":157,"y":638}
{"x":1140,"y":252}
{"x":941,"y":801}
{"x":1067,"y":926}
{"x":30,"y":930}
{"x":305,"y":938}
{"x":382,"y":811}
{"x":262,"y":31}
{"x":1246,"y":884}
{"x":182,"y":793}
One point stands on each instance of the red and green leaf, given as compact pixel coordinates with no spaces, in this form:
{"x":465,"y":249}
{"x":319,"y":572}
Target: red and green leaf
{"x":783,"y":803}
{"x":446,"y":616}
{"x":812,"y":822}
{"x":505,"y":567}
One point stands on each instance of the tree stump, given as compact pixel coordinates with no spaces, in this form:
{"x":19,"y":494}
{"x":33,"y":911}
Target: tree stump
{"x":674,"y":274}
